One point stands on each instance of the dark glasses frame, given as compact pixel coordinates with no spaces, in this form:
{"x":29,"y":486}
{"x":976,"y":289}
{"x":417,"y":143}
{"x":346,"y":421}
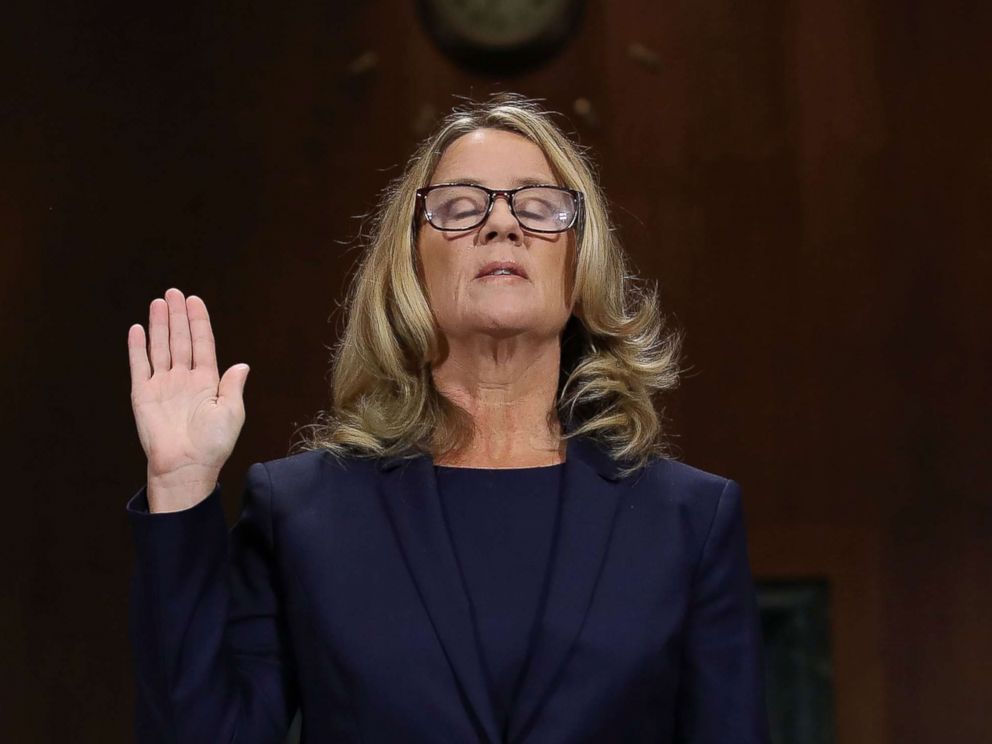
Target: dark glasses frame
{"x":578,"y":196}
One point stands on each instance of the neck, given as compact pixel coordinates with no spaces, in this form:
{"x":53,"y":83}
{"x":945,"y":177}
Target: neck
{"x":508,"y":387}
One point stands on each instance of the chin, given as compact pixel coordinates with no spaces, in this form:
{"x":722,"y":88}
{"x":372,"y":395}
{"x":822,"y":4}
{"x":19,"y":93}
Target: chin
{"x":503,"y":317}
{"x":510,"y":324}
{"x":507,"y":316}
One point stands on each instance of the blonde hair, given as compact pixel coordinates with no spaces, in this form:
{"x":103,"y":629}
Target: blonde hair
{"x":615,"y":356}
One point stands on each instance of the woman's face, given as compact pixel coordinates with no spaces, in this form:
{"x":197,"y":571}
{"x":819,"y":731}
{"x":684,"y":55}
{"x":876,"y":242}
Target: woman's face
{"x":533,"y":302}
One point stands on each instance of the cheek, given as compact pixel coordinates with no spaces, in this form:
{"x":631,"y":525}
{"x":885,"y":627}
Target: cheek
{"x":556,"y":270}
{"x":439,"y":273}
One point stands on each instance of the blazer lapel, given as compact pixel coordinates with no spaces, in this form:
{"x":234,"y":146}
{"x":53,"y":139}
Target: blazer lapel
{"x":409,"y":492}
{"x":590,"y":494}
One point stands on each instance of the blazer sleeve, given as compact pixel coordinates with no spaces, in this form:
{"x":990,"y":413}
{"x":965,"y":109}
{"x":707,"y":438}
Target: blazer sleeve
{"x":206,"y":623}
{"x":721,"y":693}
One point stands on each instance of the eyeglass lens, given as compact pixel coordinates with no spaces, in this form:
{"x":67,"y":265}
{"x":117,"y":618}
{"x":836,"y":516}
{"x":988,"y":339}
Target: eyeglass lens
{"x":464,"y":207}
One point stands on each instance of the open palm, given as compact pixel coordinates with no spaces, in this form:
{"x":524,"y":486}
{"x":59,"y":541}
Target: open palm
{"x":188,"y":420}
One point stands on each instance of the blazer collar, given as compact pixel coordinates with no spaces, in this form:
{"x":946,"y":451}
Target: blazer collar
{"x":587,"y":510}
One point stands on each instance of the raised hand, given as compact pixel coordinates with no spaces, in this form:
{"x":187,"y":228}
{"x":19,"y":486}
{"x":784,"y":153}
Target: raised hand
{"x":188,"y":421}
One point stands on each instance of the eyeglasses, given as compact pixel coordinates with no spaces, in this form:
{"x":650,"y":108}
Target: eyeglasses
{"x":463,"y":206}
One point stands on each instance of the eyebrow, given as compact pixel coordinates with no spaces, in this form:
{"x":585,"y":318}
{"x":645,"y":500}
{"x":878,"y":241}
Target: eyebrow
{"x":525,"y":181}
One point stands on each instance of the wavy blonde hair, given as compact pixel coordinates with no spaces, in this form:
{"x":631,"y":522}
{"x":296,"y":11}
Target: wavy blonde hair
{"x":615,"y":355}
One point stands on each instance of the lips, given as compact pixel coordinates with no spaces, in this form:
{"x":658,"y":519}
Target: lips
{"x":500,"y":268}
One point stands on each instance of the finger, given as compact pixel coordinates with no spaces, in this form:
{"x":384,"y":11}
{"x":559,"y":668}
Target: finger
{"x":137,"y":355}
{"x":179,"y":341}
{"x":158,"y":335}
{"x":204,"y":348}
{"x":232,"y":385}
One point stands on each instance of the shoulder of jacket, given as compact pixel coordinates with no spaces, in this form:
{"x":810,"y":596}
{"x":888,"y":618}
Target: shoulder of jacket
{"x":694,"y":494}
{"x":303,"y":471}
{"x":682,"y":483}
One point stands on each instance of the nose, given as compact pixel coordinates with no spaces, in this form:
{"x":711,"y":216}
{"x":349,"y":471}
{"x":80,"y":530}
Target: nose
{"x":501,"y":224}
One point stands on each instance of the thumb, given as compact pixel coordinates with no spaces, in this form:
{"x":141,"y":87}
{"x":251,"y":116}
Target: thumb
{"x":232,"y":384}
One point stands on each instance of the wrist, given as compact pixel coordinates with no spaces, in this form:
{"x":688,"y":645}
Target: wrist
{"x":178,"y":491}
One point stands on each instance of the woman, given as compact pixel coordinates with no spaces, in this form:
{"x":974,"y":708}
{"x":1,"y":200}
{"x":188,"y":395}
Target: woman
{"x":481,"y":541}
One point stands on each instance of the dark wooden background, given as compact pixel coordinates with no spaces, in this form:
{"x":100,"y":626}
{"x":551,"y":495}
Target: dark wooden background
{"x":809,"y":182}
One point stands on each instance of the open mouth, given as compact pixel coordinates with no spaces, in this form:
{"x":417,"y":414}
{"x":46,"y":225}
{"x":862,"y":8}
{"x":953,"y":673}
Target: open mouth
{"x":501,"y":269}
{"x":501,"y":275}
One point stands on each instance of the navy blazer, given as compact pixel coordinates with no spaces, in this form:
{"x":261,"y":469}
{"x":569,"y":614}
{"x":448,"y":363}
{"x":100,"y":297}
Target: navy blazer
{"x":337,"y":592}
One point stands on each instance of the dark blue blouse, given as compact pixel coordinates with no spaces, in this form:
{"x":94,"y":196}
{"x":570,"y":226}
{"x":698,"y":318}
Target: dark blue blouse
{"x":502,"y":524}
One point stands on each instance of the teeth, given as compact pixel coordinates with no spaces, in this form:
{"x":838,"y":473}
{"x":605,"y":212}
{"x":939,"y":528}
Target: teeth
{"x":501,"y":272}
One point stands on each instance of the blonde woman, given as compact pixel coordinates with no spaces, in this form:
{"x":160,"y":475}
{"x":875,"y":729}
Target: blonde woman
{"x":482,"y":539}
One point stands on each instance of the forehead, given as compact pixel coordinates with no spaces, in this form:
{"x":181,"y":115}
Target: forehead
{"x":494,"y":158}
